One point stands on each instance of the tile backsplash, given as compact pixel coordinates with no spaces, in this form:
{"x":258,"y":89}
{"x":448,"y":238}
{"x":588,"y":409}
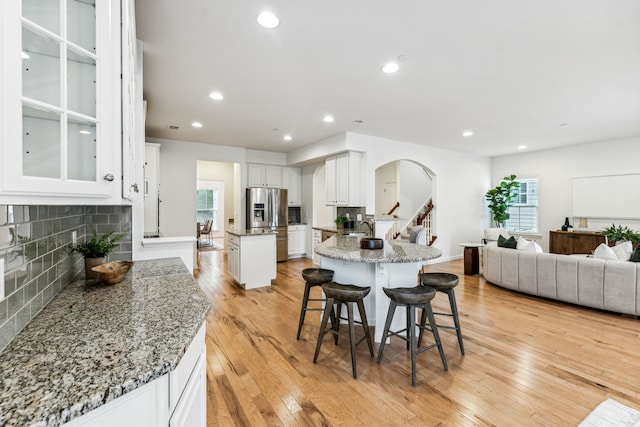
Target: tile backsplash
{"x":35,"y":246}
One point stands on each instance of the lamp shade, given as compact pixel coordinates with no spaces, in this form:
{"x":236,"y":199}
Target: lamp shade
{"x":583,"y":223}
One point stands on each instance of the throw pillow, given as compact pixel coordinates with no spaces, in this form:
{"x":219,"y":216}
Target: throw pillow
{"x":492,"y":234}
{"x":605,"y":252}
{"x":528,"y":245}
{"x":635,"y":256}
{"x":510,"y":243}
{"x":623,"y":250}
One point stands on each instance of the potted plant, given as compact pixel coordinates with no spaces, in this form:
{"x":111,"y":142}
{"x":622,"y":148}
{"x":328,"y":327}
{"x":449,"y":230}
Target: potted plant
{"x":501,"y":198}
{"x":341,"y":220}
{"x":620,"y":233}
{"x":95,"y":251}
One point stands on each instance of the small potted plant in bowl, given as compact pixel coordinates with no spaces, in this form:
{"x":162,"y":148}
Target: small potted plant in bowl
{"x":620,"y":233}
{"x":96,"y":250}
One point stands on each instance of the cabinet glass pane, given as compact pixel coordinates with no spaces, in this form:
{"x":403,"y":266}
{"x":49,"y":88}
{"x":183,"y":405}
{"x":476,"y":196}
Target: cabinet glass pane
{"x":81,"y":23}
{"x":41,"y":70}
{"x":81,"y":84}
{"x":81,"y":155}
{"x":45,"y":13}
{"x":40,"y":143}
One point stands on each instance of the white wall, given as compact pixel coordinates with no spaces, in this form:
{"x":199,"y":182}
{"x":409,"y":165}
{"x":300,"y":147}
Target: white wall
{"x":178,"y":175}
{"x":555,"y":169}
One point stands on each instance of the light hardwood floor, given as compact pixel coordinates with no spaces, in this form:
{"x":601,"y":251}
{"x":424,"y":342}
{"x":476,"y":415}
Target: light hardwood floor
{"x":528,"y":362}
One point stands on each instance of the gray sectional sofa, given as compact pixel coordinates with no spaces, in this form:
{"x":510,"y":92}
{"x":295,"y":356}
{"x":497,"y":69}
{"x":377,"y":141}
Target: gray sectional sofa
{"x":606,"y":285}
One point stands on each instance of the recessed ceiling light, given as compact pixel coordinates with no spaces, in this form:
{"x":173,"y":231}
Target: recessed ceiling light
{"x":467,"y":133}
{"x":328,"y":119}
{"x":268,"y":20}
{"x":196,"y":124}
{"x":287,"y":138}
{"x":216,"y":95}
{"x":85,"y":132}
{"x":390,"y":67}
{"x":24,"y":55}
{"x":522,"y":147}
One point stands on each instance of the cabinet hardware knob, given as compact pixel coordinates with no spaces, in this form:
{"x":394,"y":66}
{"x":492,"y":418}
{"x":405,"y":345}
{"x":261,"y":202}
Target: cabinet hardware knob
{"x":109,"y":177}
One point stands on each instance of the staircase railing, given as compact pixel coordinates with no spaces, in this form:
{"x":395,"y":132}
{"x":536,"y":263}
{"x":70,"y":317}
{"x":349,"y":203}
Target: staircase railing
{"x":396,"y":206}
{"x":426,"y":220}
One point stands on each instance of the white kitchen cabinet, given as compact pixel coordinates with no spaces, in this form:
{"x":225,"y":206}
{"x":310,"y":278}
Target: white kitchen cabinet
{"x":60,"y":120}
{"x":175,"y":399}
{"x":344,"y":179}
{"x":292,"y":181}
{"x":297,"y":240}
{"x":151,"y":189}
{"x":233,"y":257}
{"x":317,"y":239}
{"x":251,"y":258}
{"x":259,"y":175}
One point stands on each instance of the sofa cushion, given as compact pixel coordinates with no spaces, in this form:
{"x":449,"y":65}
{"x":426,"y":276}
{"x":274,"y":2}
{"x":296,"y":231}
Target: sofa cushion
{"x":620,"y":287}
{"x":510,"y":243}
{"x":623,"y":250}
{"x":635,"y":256}
{"x":605,"y":252}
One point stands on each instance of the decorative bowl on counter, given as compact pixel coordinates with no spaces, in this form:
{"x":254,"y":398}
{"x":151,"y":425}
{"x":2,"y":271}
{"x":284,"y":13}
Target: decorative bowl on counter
{"x":112,"y":272}
{"x":371,"y":243}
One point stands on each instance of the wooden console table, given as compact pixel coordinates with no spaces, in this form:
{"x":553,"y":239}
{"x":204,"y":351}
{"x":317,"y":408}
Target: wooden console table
{"x":574,"y":242}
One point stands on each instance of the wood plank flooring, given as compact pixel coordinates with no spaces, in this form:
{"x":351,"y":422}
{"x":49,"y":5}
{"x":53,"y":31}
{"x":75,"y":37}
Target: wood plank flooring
{"x":528,"y":362}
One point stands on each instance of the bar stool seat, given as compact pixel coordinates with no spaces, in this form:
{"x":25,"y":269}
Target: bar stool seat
{"x":445,"y":283}
{"x":338,"y":294}
{"x":412,"y":298}
{"x":313,"y":277}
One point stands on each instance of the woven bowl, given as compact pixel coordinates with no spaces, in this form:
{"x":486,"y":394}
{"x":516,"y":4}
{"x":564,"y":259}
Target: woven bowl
{"x":371,"y":243}
{"x":112,"y":272}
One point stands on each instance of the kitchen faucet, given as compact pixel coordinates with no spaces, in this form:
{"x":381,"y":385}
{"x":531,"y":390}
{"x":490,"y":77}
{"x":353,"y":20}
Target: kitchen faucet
{"x":371,"y":224}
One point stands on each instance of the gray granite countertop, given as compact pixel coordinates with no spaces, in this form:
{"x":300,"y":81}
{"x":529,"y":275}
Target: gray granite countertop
{"x":90,"y":346}
{"x":347,"y":248}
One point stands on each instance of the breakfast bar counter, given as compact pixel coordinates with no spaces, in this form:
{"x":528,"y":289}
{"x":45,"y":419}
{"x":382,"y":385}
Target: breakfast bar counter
{"x":95,"y":344}
{"x":396,"y":265}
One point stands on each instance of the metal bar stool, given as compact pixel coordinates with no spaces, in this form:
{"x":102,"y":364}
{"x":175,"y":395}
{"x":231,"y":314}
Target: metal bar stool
{"x":444,"y":282}
{"x":313,"y":277}
{"x":339,"y":294}
{"x":412,"y":298}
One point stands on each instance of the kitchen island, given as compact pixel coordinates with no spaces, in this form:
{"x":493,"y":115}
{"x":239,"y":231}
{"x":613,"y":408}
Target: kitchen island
{"x":251,"y":258}
{"x":396,"y":265}
{"x":128,"y":354}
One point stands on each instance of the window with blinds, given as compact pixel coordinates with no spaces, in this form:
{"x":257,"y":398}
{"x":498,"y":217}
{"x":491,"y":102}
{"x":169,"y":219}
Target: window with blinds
{"x":523,"y":214}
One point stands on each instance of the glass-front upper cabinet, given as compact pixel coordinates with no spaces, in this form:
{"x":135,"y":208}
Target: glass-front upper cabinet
{"x":61,"y":97}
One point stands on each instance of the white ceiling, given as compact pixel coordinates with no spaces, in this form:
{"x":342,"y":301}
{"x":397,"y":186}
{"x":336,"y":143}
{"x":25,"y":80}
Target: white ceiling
{"x":510,"y":71}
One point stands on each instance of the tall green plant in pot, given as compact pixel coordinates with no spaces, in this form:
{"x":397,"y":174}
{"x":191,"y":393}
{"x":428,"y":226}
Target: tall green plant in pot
{"x":96,"y":250}
{"x":501,"y":198}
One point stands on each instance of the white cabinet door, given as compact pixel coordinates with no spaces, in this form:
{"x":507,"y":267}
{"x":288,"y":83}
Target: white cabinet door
{"x":233,"y":261}
{"x":272,"y":176}
{"x":317,"y":239}
{"x":342,"y":179}
{"x":60,"y":115}
{"x":297,"y":240}
{"x":191,"y":410}
{"x":255,"y":175}
{"x":295,"y":187}
{"x":330,"y":165}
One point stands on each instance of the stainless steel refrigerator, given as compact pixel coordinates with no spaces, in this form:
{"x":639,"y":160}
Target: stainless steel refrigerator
{"x":267,"y":210}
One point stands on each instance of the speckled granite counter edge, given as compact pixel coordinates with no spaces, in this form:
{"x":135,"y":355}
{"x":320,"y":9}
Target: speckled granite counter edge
{"x":91,"y":345}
